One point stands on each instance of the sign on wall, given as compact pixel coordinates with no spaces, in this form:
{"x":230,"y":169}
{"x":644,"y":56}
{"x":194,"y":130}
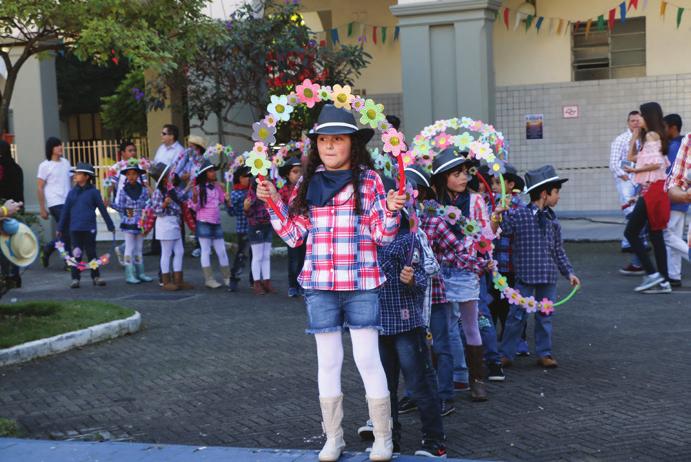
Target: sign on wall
{"x":570,"y":112}
{"x":533,"y":126}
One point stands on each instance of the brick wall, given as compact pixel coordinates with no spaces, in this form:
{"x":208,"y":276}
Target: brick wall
{"x":579,"y":148}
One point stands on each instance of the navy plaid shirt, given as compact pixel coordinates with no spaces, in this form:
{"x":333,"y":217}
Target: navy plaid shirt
{"x":537,"y":254}
{"x":401,"y":305}
{"x":237,"y":200}
{"x":502,"y":245}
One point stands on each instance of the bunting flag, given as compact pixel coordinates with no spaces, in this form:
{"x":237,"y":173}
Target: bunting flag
{"x":610,"y":20}
{"x":362,"y":38}
{"x":383,"y":34}
{"x":634,"y":4}
{"x":538,"y":24}
{"x":551,"y":25}
{"x":374,"y":34}
{"x":587,"y":28}
{"x":528,"y":22}
{"x":680,"y":12}
{"x":645,"y":5}
{"x":350,"y":29}
{"x":577,"y":26}
{"x":622,"y":12}
{"x":663,"y":8}
{"x":601,"y":23}
{"x":567,"y":28}
{"x":334,"y":36}
{"x":559,"y":27}
{"x":519,"y":18}
{"x":506,"y":18}
{"x":395,"y":33}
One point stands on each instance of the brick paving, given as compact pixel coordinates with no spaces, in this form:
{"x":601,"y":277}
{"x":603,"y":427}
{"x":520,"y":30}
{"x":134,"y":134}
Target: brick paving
{"x":215,"y":368}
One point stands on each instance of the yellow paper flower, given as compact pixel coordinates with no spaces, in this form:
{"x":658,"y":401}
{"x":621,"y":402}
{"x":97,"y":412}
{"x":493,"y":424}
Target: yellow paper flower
{"x":341,"y":96}
{"x":258,"y":164}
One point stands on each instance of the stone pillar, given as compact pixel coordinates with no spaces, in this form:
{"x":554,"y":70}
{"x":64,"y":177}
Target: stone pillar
{"x":446,"y":60}
{"x":34,"y":118}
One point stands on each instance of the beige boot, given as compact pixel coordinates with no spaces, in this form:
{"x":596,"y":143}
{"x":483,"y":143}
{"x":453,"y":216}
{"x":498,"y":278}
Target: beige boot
{"x":380,"y":414}
{"x":209,"y":280}
{"x":332,"y":416}
{"x":167,"y":283}
{"x":225,"y":271}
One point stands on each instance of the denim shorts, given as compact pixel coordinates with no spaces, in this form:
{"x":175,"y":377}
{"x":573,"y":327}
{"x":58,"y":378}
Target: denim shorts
{"x":332,"y":310}
{"x":260,"y":234}
{"x":461,"y":285}
{"x":209,"y":230}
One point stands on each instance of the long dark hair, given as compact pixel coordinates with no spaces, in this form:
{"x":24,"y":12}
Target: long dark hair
{"x":359,"y":156}
{"x":654,"y":122}
{"x":439,"y":182}
{"x":201,"y":184}
{"x":51,"y":143}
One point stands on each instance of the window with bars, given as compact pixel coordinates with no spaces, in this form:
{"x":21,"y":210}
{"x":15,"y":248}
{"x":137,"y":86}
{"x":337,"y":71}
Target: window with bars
{"x":609,"y":54}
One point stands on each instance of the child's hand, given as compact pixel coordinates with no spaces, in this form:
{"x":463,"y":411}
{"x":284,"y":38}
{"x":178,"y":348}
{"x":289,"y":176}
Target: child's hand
{"x":574,"y":281}
{"x":167,"y":201}
{"x":395,"y":201}
{"x":407,"y":276}
{"x":267,"y":191}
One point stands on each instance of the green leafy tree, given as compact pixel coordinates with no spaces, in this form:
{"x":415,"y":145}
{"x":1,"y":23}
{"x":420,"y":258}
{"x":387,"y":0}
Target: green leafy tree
{"x":150,"y":34}
{"x":125,"y":111}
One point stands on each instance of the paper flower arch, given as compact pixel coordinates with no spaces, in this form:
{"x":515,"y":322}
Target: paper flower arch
{"x":114,"y":170}
{"x":484,"y":143}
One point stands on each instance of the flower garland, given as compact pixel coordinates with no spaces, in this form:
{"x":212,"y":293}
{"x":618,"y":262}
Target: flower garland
{"x":485,"y":144}
{"x":310,"y":93}
{"x":114,"y":170}
{"x":71,"y":261}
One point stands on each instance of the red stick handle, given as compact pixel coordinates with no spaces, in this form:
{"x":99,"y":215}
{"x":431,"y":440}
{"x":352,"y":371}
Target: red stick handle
{"x":489,"y":189}
{"x":401,"y":175}
{"x":271,"y":202}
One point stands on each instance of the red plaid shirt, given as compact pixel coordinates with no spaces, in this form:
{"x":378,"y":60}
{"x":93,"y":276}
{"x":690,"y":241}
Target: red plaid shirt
{"x":682,"y":166}
{"x":341,"y":246}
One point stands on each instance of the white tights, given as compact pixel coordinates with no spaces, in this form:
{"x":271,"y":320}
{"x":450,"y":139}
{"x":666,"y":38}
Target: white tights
{"x":219,"y":246}
{"x":261,"y":261}
{"x":168,"y":248}
{"x":366,"y":355}
{"x":133,"y":248}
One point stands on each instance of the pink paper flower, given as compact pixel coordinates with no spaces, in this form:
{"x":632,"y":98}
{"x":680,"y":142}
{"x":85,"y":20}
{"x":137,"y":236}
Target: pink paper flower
{"x":452,"y":214}
{"x":308,"y":93}
{"x":394,"y":141}
{"x":546,"y":306}
{"x":512,"y":295}
{"x":443,"y":141}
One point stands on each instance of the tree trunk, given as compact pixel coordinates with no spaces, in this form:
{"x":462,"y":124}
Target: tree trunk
{"x":6,"y":93}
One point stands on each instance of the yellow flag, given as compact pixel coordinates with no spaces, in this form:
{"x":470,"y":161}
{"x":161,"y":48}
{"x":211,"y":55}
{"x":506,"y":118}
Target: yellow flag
{"x":587,"y":28}
{"x":561,"y":24}
{"x":663,"y":7}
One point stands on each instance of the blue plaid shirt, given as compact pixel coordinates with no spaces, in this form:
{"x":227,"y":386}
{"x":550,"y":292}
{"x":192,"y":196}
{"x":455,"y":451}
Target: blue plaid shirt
{"x":537,"y":254}
{"x":401,"y":305}
{"x":502,"y":245}
{"x":237,"y":199}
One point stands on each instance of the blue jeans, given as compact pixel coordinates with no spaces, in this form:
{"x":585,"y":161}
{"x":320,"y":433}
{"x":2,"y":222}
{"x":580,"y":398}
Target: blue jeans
{"x":487,"y":330}
{"x":460,"y":368}
{"x":85,"y":241}
{"x":296,"y":259}
{"x":331,"y":310}
{"x":439,"y":325}
{"x":407,"y":353}
{"x":518,"y":318}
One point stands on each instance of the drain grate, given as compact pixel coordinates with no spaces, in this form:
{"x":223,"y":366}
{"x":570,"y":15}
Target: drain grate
{"x":158,"y":297}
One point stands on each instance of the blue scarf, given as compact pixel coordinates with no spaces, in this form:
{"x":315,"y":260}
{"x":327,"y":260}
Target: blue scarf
{"x":133,"y":190}
{"x":325,"y":185}
{"x":462,"y":201}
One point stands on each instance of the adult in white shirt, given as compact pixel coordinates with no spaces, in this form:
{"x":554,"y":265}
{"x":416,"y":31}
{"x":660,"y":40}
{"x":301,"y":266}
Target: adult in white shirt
{"x":625,"y":186}
{"x":54,"y":182}
{"x":170,"y":148}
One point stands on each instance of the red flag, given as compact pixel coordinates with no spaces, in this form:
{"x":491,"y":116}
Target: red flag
{"x":634,"y":4}
{"x":374,"y":34}
{"x":506,"y":18}
{"x":612,"y":14}
{"x":576,"y":26}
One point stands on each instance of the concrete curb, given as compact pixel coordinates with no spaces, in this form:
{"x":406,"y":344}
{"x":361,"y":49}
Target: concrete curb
{"x":63,"y":342}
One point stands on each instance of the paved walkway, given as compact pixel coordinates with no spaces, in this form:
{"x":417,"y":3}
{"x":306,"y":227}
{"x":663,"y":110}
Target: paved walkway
{"x":211,"y":368}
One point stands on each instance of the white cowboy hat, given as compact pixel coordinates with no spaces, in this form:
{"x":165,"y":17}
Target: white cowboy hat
{"x":198,"y":140}
{"x":20,"y":248}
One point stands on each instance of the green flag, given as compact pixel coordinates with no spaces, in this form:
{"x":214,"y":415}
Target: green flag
{"x":383,"y":34}
{"x":350,"y":29}
{"x":528,"y":22}
{"x":680,"y":12}
{"x":601,"y":22}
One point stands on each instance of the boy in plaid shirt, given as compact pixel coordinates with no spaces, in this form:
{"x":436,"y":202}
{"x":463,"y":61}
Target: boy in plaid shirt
{"x":538,"y":252}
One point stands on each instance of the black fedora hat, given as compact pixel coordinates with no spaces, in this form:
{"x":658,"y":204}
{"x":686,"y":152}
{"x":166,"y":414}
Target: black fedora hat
{"x":418,"y":176}
{"x":132,"y":166}
{"x":448,"y":159}
{"x":542,"y":176}
{"x":336,"y":121}
{"x":84,"y":167}
{"x":206,"y":165}
{"x":511,"y":174}
{"x":158,"y":171}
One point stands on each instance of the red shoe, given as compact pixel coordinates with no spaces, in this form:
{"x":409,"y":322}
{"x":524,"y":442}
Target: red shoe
{"x":632,"y":270}
{"x":460,"y":386}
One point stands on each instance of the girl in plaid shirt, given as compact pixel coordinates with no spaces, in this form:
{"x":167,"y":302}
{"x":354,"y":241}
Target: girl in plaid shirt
{"x":292,"y":172}
{"x":241,"y":184}
{"x":341,"y":211}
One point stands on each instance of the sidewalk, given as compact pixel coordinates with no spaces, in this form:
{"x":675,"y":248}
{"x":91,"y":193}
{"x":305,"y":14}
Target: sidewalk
{"x":12,"y":449}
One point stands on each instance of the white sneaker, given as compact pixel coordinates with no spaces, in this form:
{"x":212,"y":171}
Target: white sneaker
{"x":649,"y":281}
{"x":196,"y":253}
{"x":118,"y":253}
{"x":662,"y":288}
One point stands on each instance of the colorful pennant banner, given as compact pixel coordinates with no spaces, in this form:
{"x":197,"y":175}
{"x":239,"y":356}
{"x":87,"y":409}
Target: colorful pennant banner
{"x":377,"y":34}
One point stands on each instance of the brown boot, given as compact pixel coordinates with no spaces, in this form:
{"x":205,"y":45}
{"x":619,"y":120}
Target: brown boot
{"x":258,"y":288}
{"x":167,"y":283}
{"x":180,"y":281}
{"x":476,"y":369}
{"x":266,"y":284}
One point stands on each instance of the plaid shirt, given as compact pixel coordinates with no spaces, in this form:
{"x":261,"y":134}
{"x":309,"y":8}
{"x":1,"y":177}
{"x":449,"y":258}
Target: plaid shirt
{"x":286,"y":193}
{"x":401,"y":304}
{"x":537,"y":254}
{"x":257,"y":214}
{"x":619,"y":151}
{"x":341,"y":246}
{"x":237,"y":200}
{"x":679,"y":175}
{"x":173,"y":209}
{"x":131,"y":209}
{"x":503,"y":252}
